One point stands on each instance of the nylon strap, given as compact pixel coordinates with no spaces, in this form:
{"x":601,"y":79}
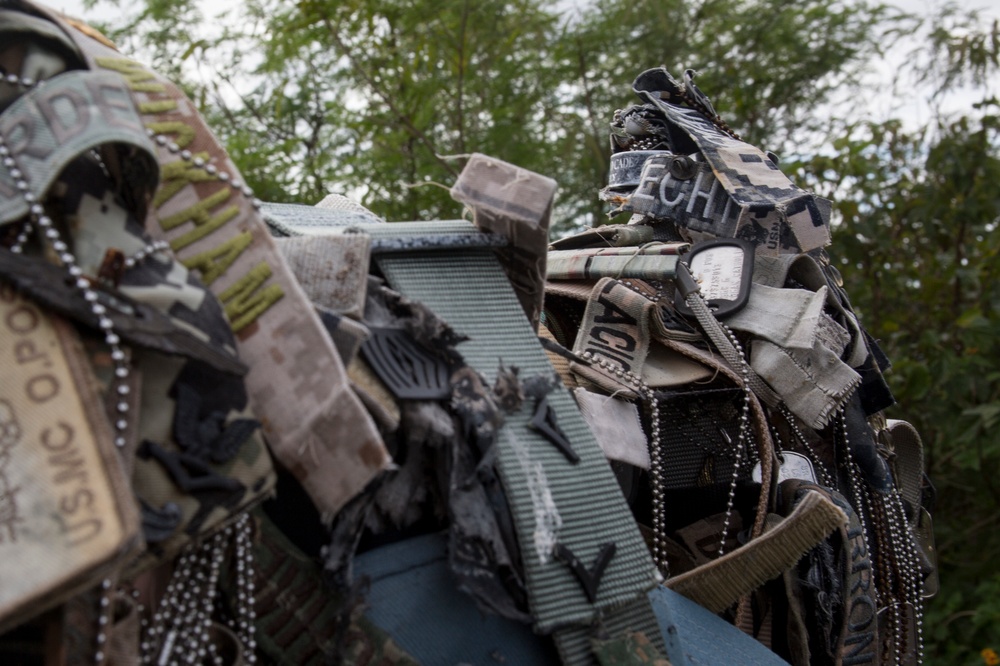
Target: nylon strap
{"x":908,"y":463}
{"x":720,"y":583}
{"x":553,"y":501}
{"x":655,"y":262}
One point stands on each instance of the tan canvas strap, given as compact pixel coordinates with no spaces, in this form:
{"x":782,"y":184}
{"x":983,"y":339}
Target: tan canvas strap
{"x":614,"y":338}
{"x":297,"y":384}
{"x":719,"y":584}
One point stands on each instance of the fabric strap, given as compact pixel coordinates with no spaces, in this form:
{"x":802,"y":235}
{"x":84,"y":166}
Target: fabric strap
{"x":720,"y":583}
{"x":553,"y":501}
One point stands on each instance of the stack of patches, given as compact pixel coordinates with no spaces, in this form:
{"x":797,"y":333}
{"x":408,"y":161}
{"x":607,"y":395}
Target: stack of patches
{"x":234,"y":432}
{"x":714,"y":353}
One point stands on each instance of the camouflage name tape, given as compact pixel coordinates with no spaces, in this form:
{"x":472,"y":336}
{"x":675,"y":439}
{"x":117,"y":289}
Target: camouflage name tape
{"x":655,"y":261}
{"x":699,"y":203}
{"x":297,"y":384}
{"x":66,"y":511}
{"x":49,"y":126}
{"x":614,"y":334}
{"x":768,"y":200}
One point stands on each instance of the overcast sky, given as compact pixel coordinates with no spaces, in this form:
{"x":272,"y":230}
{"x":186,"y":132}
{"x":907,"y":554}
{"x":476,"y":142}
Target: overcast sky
{"x":910,"y":104}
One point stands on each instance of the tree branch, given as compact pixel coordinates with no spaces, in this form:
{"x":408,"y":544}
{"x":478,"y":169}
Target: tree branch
{"x":387,"y":99}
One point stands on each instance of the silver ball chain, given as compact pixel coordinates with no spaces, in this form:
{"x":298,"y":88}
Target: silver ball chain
{"x":853,"y":472}
{"x":904,"y":543}
{"x":824,"y":473}
{"x":656,"y":481}
{"x":740,"y":438}
{"x":180,"y":631}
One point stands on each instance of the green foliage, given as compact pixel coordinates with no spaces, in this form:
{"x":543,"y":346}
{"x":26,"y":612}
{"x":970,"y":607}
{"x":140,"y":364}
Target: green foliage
{"x":376,"y":99}
{"x":917,"y":243}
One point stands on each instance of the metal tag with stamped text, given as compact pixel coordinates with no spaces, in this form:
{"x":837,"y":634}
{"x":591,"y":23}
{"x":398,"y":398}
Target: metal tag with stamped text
{"x":793,"y":466}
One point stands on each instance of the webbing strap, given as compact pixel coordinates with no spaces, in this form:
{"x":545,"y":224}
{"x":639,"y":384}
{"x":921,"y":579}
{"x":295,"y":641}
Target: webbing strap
{"x":720,"y":583}
{"x":578,"y":506}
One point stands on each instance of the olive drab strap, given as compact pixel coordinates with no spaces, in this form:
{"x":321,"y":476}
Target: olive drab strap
{"x":719,"y":584}
{"x":297,"y":383}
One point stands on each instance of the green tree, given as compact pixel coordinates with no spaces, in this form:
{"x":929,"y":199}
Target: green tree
{"x":918,"y":246}
{"x":372,"y":98}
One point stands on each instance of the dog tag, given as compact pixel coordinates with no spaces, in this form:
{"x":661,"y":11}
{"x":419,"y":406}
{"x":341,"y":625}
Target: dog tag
{"x":723,"y":270}
{"x":792,"y":466}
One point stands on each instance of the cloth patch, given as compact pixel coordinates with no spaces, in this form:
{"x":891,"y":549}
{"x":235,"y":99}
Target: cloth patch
{"x":813,"y":384}
{"x":787,"y":317}
{"x":332,"y":269}
{"x":66,"y":509}
{"x":616,"y":427}
{"x":615,"y":333}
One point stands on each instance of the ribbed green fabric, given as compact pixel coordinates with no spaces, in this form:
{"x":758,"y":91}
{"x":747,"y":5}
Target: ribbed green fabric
{"x":469,"y":290}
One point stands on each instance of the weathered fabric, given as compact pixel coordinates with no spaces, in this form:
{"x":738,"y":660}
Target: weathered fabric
{"x":296,"y":383}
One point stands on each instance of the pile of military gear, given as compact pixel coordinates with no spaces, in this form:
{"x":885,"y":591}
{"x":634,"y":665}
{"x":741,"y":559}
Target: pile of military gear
{"x":238,"y":432}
